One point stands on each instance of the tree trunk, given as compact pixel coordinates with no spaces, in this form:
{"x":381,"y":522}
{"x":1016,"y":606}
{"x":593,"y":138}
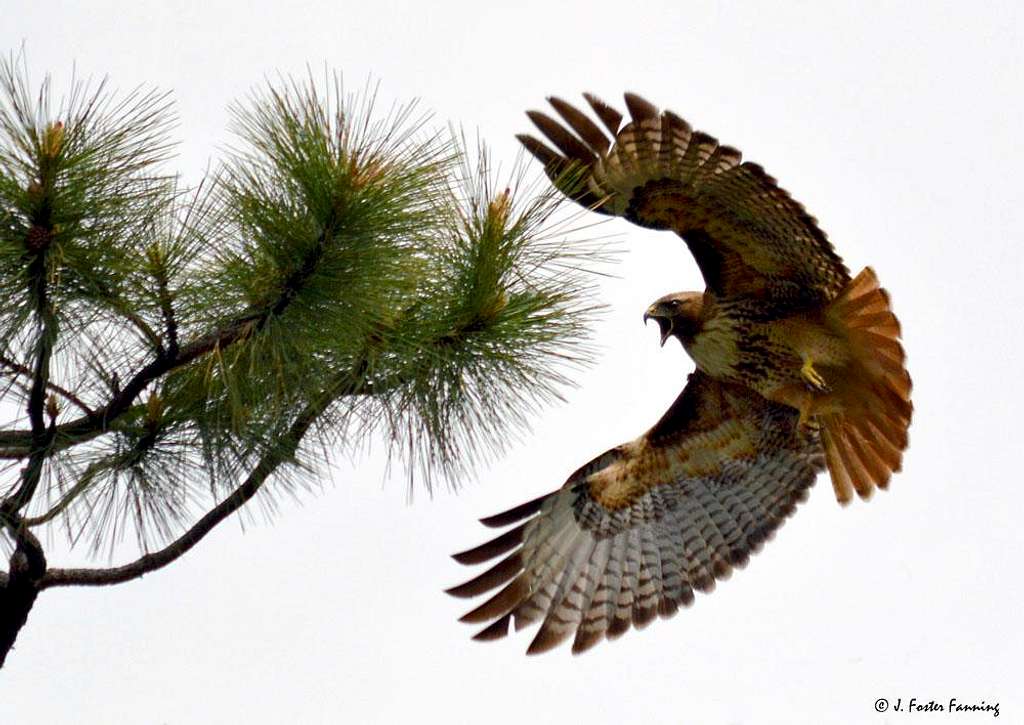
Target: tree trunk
{"x":18,"y":589}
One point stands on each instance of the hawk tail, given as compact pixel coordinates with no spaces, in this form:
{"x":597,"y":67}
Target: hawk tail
{"x":864,"y":436}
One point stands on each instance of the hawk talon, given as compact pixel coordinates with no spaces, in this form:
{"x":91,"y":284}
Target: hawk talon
{"x":813,"y":378}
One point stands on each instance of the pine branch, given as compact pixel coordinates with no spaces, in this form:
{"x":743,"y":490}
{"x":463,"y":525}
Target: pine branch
{"x":282,"y":452}
{"x":164,"y":296}
{"x":18,"y":442}
{"x":37,"y":244}
{"x":99,"y":421}
{"x":42,"y":435}
{"x":63,"y":392}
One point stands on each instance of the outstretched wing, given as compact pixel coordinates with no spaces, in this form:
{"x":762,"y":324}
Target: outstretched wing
{"x":749,"y":237}
{"x":633,"y":533}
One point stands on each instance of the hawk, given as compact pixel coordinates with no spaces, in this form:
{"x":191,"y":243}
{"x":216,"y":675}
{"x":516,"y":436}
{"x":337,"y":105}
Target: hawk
{"x":798,"y":368}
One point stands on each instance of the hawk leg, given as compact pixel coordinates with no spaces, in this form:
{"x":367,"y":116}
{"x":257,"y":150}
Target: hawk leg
{"x":816,"y":385}
{"x":799,"y":397}
{"x":807,"y":420}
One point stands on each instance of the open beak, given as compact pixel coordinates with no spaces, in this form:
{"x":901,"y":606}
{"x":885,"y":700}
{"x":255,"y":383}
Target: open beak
{"x":664,"y":323}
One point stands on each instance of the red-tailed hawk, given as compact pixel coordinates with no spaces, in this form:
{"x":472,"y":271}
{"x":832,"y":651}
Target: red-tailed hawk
{"x":796,"y":364}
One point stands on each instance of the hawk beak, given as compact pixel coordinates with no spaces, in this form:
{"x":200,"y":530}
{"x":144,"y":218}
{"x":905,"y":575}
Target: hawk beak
{"x":664,"y":323}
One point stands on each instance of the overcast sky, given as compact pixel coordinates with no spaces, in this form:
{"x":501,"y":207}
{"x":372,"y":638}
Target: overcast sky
{"x":898,"y":125}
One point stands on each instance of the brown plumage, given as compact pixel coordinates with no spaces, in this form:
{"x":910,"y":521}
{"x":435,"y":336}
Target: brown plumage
{"x":798,"y":366}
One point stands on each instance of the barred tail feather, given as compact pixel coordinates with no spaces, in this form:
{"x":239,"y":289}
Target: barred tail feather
{"x":865,"y":436}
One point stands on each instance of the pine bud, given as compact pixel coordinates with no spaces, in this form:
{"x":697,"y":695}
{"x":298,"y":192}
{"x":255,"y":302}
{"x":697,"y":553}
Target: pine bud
{"x":498,"y":209}
{"x":52,"y":408}
{"x":35,"y":191}
{"x":155,"y":255}
{"x":154,"y":408}
{"x":53,"y":140}
{"x":497,"y":303}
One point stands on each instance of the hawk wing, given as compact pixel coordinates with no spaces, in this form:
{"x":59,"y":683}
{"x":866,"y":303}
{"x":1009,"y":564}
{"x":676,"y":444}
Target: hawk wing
{"x":633,"y":533}
{"x":750,"y":238}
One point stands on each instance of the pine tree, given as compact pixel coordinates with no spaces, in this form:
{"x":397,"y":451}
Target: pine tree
{"x":168,"y":353}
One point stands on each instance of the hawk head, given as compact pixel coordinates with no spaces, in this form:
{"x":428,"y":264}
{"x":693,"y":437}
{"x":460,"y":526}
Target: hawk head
{"x":677,"y":314}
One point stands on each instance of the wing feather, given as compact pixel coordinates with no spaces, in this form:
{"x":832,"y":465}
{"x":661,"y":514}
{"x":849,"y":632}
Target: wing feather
{"x":748,"y":235}
{"x":627,"y":586}
{"x":651,"y":578}
{"x":563,"y":614}
{"x":586,"y":129}
{"x":693,"y":498}
{"x":593,"y":621}
{"x":611,"y":118}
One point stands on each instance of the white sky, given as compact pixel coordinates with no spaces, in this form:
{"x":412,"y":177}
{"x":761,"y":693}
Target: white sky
{"x":897,"y":125}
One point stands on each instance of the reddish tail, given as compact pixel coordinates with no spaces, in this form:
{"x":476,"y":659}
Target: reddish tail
{"x":865,"y":434}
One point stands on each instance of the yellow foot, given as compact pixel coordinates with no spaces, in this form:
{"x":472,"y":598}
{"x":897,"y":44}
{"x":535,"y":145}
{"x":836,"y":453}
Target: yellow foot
{"x":812,"y":378}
